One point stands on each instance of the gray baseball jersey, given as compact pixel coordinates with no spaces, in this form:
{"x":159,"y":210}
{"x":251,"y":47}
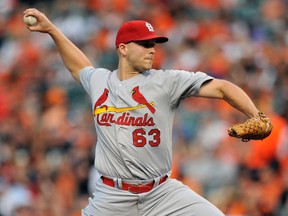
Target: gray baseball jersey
{"x":134,"y":118}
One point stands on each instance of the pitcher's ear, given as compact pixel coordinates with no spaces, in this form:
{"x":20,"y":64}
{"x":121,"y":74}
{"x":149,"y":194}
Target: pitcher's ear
{"x":122,"y":49}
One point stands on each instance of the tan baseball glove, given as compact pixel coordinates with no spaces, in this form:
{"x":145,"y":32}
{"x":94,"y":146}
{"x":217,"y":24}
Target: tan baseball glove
{"x":256,"y":128}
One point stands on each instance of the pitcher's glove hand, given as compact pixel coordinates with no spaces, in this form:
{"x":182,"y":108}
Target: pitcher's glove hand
{"x":256,"y":128}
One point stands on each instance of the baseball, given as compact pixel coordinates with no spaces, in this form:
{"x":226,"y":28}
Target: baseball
{"x":30,"y":20}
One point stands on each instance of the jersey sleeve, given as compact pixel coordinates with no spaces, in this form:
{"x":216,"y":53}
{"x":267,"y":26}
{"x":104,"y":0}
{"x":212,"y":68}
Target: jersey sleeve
{"x":85,"y":76}
{"x":90,"y":78}
{"x":183,"y":84}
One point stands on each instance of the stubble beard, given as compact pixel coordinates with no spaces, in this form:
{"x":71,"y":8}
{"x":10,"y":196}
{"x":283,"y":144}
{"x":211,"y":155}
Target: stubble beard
{"x":143,"y":67}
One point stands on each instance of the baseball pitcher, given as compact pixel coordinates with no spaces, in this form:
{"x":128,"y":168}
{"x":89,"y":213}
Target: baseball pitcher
{"x":133,"y":109}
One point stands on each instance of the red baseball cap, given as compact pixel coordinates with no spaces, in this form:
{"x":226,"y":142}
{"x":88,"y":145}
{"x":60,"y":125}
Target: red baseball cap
{"x":137,"y":30}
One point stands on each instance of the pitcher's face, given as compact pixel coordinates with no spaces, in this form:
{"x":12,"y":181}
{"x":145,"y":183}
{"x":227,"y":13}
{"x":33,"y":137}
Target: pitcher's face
{"x":140,"y":55}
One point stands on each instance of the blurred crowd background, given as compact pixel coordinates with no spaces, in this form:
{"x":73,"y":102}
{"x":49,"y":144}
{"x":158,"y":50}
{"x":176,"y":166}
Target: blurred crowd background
{"x":47,"y":137}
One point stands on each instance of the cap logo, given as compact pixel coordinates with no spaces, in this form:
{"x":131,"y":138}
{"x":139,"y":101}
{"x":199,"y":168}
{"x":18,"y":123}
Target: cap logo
{"x":150,"y":27}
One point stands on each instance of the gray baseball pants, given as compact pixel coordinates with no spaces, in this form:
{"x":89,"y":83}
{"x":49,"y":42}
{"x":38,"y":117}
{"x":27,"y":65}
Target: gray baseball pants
{"x":170,"y":198}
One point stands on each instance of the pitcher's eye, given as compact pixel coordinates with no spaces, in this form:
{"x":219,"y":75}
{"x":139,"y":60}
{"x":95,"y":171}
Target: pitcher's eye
{"x":146,"y":44}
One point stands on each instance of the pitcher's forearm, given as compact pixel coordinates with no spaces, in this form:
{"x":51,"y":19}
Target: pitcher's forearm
{"x":73,"y":58}
{"x":231,"y":93}
{"x":237,"y":98}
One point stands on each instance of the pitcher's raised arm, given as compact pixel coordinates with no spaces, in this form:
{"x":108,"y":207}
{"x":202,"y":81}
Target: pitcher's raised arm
{"x":73,"y":58}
